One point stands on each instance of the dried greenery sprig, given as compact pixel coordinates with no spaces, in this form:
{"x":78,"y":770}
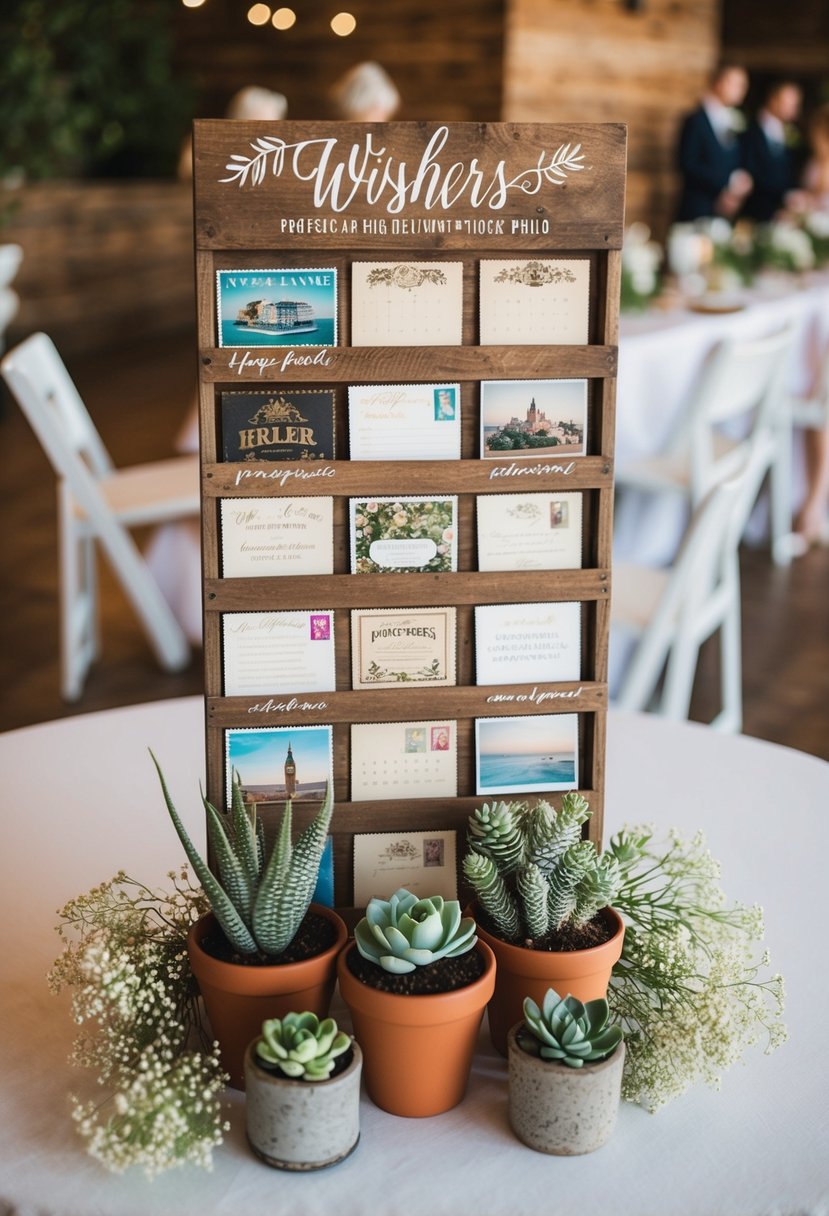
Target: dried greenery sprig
{"x":125,"y":960}
{"x":688,"y":991}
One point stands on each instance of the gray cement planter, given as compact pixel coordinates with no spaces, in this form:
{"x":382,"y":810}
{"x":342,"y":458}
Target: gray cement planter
{"x":302,"y":1125}
{"x":561,"y":1110}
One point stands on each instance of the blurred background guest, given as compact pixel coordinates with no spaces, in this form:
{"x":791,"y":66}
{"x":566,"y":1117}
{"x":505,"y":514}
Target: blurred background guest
{"x":816,"y":173}
{"x":770,"y":152}
{"x":249,"y":104}
{"x":714,"y":181}
{"x":365,"y":93}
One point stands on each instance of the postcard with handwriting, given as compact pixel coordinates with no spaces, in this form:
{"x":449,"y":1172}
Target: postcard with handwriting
{"x":404,"y":535}
{"x":404,"y":421}
{"x":422,"y":862}
{"x":275,"y":652}
{"x":393,"y":646}
{"x":275,"y":763}
{"x":524,"y":418}
{"x":404,"y":760}
{"x":527,"y":643}
{"x":264,"y":537}
{"x":277,"y":307}
{"x":406,"y":303}
{"x":542,"y":302}
{"x":286,"y":424}
{"x":527,"y":755}
{"x":529,"y":531}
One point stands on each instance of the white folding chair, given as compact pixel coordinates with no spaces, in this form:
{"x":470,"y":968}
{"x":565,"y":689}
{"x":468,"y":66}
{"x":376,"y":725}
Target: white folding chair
{"x":669,"y":613}
{"x":97,"y":502}
{"x":808,"y":412}
{"x":741,"y":385}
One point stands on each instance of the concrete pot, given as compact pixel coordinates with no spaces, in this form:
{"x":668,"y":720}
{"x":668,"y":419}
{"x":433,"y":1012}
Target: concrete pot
{"x":561,"y":1110}
{"x":302,"y":1125}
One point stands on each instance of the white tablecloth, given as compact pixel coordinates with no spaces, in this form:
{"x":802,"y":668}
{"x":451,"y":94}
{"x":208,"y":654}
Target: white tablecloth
{"x":660,"y":357}
{"x":82,"y":800}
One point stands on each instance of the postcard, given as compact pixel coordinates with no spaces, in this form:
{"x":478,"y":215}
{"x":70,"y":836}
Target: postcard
{"x":406,"y":303}
{"x":422,"y":862}
{"x":404,"y":535}
{"x":392,"y":646}
{"x":523,"y":418}
{"x":285,"y":424}
{"x":277,"y":307}
{"x":271,"y":652}
{"x":265,"y":537}
{"x":276,"y":763}
{"x":527,"y":755}
{"x":543,"y":302}
{"x":405,"y":422}
{"x":529,"y":531}
{"x":404,"y":760}
{"x":527,"y":643}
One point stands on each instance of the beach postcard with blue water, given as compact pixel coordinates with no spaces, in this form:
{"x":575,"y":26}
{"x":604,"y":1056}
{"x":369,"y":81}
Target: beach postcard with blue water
{"x":527,"y":755}
{"x":277,"y":307}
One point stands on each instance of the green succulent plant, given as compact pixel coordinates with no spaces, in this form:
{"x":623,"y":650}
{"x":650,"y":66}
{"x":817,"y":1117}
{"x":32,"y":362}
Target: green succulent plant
{"x":301,"y":1046}
{"x":258,"y":900}
{"x":532,"y":872}
{"x":404,"y":932}
{"x":567,"y":1030}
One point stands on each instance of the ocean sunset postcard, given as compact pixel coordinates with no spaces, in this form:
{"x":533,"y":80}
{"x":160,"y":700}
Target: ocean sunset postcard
{"x":526,"y":755}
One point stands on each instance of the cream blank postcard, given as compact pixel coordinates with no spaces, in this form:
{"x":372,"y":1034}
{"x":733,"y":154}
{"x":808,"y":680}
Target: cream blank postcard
{"x":404,"y":760}
{"x":529,"y":531}
{"x":393,"y":646}
{"x":526,"y":418}
{"x":534,"y":303}
{"x":263,"y":537}
{"x":527,"y":643}
{"x":404,"y":535}
{"x":527,"y":755}
{"x":407,"y":303}
{"x":275,"y":652}
{"x":405,"y":421}
{"x":422,"y":862}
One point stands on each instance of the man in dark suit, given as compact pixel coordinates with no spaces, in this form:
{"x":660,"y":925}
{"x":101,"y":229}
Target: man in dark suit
{"x":769,"y":157}
{"x":714,"y":181}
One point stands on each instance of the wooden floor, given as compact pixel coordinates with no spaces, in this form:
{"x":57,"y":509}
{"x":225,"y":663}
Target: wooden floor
{"x":138,"y":397}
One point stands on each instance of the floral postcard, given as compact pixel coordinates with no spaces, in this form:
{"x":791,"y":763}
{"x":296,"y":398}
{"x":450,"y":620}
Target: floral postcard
{"x":404,"y":760}
{"x":527,"y":755}
{"x":541,"y":302}
{"x":527,"y":643}
{"x":422,"y":862}
{"x":264,"y":537}
{"x":277,"y":307}
{"x":529,"y":531}
{"x":276,"y":763}
{"x":393,"y":646}
{"x":525,"y":418}
{"x":278,"y":652}
{"x":405,"y":421}
{"x":404,"y":535}
{"x":406,"y":303}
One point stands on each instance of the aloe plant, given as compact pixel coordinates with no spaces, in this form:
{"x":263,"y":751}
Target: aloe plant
{"x":568,"y":1031}
{"x":531,"y":871}
{"x":258,"y":900}
{"x":405,"y":932}
{"x":300,"y":1045}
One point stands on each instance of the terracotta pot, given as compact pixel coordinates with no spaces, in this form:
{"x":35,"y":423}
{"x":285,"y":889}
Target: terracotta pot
{"x":238,"y":998}
{"x":302,"y":1125}
{"x":417,"y":1049}
{"x":584,"y":974}
{"x":561,"y":1110}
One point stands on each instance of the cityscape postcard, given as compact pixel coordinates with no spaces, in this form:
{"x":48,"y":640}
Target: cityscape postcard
{"x":521,"y":418}
{"x":279,"y":762}
{"x":287,"y":307}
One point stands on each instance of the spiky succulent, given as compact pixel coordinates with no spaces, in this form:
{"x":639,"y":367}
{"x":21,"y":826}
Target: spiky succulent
{"x":567,"y":1030}
{"x":532,"y":872}
{"x":258,"y":900}
{"x":301,"y":1046}
{"x":404,"y":932}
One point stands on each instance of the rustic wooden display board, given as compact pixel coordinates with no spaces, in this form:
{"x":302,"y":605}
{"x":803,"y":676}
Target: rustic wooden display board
{"x":313,"y":198}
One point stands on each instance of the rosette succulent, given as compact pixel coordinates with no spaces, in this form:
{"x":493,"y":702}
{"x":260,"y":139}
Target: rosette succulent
{"x":301,"y":1046}
{"x":404,"y":932}
{"x":567,"y":1030}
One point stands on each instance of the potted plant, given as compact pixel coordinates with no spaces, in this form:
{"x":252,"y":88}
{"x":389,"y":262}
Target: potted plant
{"x":302,"y":1092}
{"x":265,"y":948}
{"x":543,"y":897}
{"x":565,"y":1075}
{"x":416,"y":981}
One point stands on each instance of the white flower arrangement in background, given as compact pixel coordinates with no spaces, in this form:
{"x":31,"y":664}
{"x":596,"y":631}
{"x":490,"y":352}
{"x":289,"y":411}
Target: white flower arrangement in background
{"x":641,"y":260}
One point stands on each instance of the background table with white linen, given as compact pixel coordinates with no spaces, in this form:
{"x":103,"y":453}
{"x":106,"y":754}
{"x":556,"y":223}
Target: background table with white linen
{"x":82,"y":801}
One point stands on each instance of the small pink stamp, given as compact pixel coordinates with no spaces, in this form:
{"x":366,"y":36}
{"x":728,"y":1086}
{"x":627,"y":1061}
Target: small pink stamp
{"x":440,"y":739}
{"x":320,"y":627}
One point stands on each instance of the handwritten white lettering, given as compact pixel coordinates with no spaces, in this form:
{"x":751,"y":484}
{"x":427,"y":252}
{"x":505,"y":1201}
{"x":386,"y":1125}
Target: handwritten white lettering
{"x":538,"y":698}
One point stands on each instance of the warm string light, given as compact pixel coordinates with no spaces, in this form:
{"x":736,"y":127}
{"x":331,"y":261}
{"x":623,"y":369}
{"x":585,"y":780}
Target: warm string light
{"x":192,"y":3}
{"x":259,"y":14}
{"x":344,"y":24}
{"x":283,"y":19}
